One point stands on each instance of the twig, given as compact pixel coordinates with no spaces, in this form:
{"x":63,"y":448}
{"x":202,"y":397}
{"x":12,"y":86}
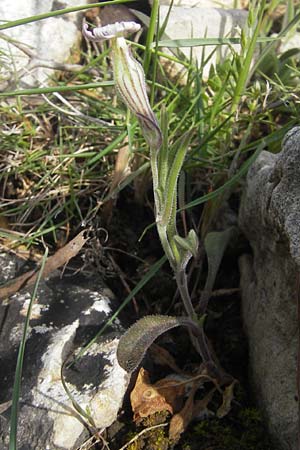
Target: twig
{"x":224,"y":292}
{"x":73,"y":111}
{"x":135,"y":438}
{"x":35,"y":61}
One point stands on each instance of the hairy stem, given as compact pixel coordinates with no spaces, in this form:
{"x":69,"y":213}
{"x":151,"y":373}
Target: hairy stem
{"x":200,"y":342}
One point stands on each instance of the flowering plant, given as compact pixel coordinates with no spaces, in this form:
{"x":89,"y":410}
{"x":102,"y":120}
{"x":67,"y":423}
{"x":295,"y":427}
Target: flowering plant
{"x":166,"y":164}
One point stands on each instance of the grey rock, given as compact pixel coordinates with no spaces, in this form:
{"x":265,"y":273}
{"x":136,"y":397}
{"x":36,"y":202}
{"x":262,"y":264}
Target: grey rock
{"x":68,"y":312}
{"x":270,"y":219}
{"x":289,"y":42}
{"x":50,"y":40}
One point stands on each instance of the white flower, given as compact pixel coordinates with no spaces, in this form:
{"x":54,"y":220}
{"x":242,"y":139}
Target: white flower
{"x":110,"y":31}
{"x":129,"y":76}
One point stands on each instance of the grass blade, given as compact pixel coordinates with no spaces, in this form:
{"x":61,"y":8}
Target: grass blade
{"x":244,"y":73}
{"x":269,"y":47}
{"x":19,"y":367}
{"x":197,"y":42}
{"x":59,"y":12}
{"x":228,"y":183}
{"x":150,"y":35}
{"x":51,"y":89}
{"x":171,"y":187}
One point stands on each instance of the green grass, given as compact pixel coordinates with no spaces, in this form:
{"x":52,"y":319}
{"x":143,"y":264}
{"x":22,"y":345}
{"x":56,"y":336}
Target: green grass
{"x":20,"y":360}
{"x":53,"y":159}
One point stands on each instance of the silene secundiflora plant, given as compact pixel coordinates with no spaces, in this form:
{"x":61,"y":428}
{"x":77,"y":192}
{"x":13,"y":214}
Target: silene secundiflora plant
{"x":166,"y":164}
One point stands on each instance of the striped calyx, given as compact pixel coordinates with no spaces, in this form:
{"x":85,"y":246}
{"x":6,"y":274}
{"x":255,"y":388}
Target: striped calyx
{"x":129,"y":77}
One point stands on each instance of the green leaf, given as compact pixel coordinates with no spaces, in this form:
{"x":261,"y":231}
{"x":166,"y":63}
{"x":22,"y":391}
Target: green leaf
{"x":171,"y":186}
{"x":138,"y":338}
{"x":215,"y":244}
{"x":19,"y":368}
{"x":244,"y":77}
{"x":189,"y":243}
{"x":196,"y":42}
{"x":48,"y":90}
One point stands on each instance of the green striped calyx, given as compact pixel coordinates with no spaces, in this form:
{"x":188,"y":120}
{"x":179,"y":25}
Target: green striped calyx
{"x":129,"y":77}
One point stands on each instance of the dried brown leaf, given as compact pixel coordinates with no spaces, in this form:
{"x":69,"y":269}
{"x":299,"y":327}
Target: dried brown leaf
{"x":228,"y":396}
{"x":4,"y":406}
{"x":200,"y":406}
{"x":60,"y":258}
{"x":120,"y":172}
{"x":147,"y":399}
{"x":180,"y":421}
{"x":191,"y":410}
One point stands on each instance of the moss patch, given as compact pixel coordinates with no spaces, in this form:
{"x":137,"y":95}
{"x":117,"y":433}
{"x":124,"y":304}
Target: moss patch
{"x":244,"y":431}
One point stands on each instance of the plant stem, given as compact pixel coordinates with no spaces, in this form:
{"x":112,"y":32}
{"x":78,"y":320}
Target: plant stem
{"x":181,"y":280}
{"x":200,"y":342}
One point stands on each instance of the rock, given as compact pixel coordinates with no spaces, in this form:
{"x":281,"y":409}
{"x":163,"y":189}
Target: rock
{"x":116,"y":13}
{"x":53,"y":39}
{"x":270,"y":219}
{"x":290,"y":42}
{"x":66,"y":316}
{"x":186,"y":23}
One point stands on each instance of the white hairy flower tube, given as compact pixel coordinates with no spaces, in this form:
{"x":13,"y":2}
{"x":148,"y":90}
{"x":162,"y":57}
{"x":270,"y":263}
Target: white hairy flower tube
{"x":110,"y":31}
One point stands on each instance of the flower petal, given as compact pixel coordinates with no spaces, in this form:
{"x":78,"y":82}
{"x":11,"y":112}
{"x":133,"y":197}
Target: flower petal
{"x":110,"y":31}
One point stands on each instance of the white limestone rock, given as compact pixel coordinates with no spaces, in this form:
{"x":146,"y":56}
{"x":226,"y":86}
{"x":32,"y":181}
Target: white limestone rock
{"x":290,"y":42}
{"x":50,"y":39}
{"x":70,"y":310}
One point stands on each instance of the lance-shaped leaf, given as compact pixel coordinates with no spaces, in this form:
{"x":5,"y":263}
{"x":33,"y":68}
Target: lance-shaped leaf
{"x":138,"y":338}
{"x":215,"y":244}
{"x":171,"y":185}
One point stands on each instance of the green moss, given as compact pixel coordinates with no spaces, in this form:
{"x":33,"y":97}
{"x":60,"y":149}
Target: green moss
{"x":246,"y":432}
{"x":156,"y":439}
